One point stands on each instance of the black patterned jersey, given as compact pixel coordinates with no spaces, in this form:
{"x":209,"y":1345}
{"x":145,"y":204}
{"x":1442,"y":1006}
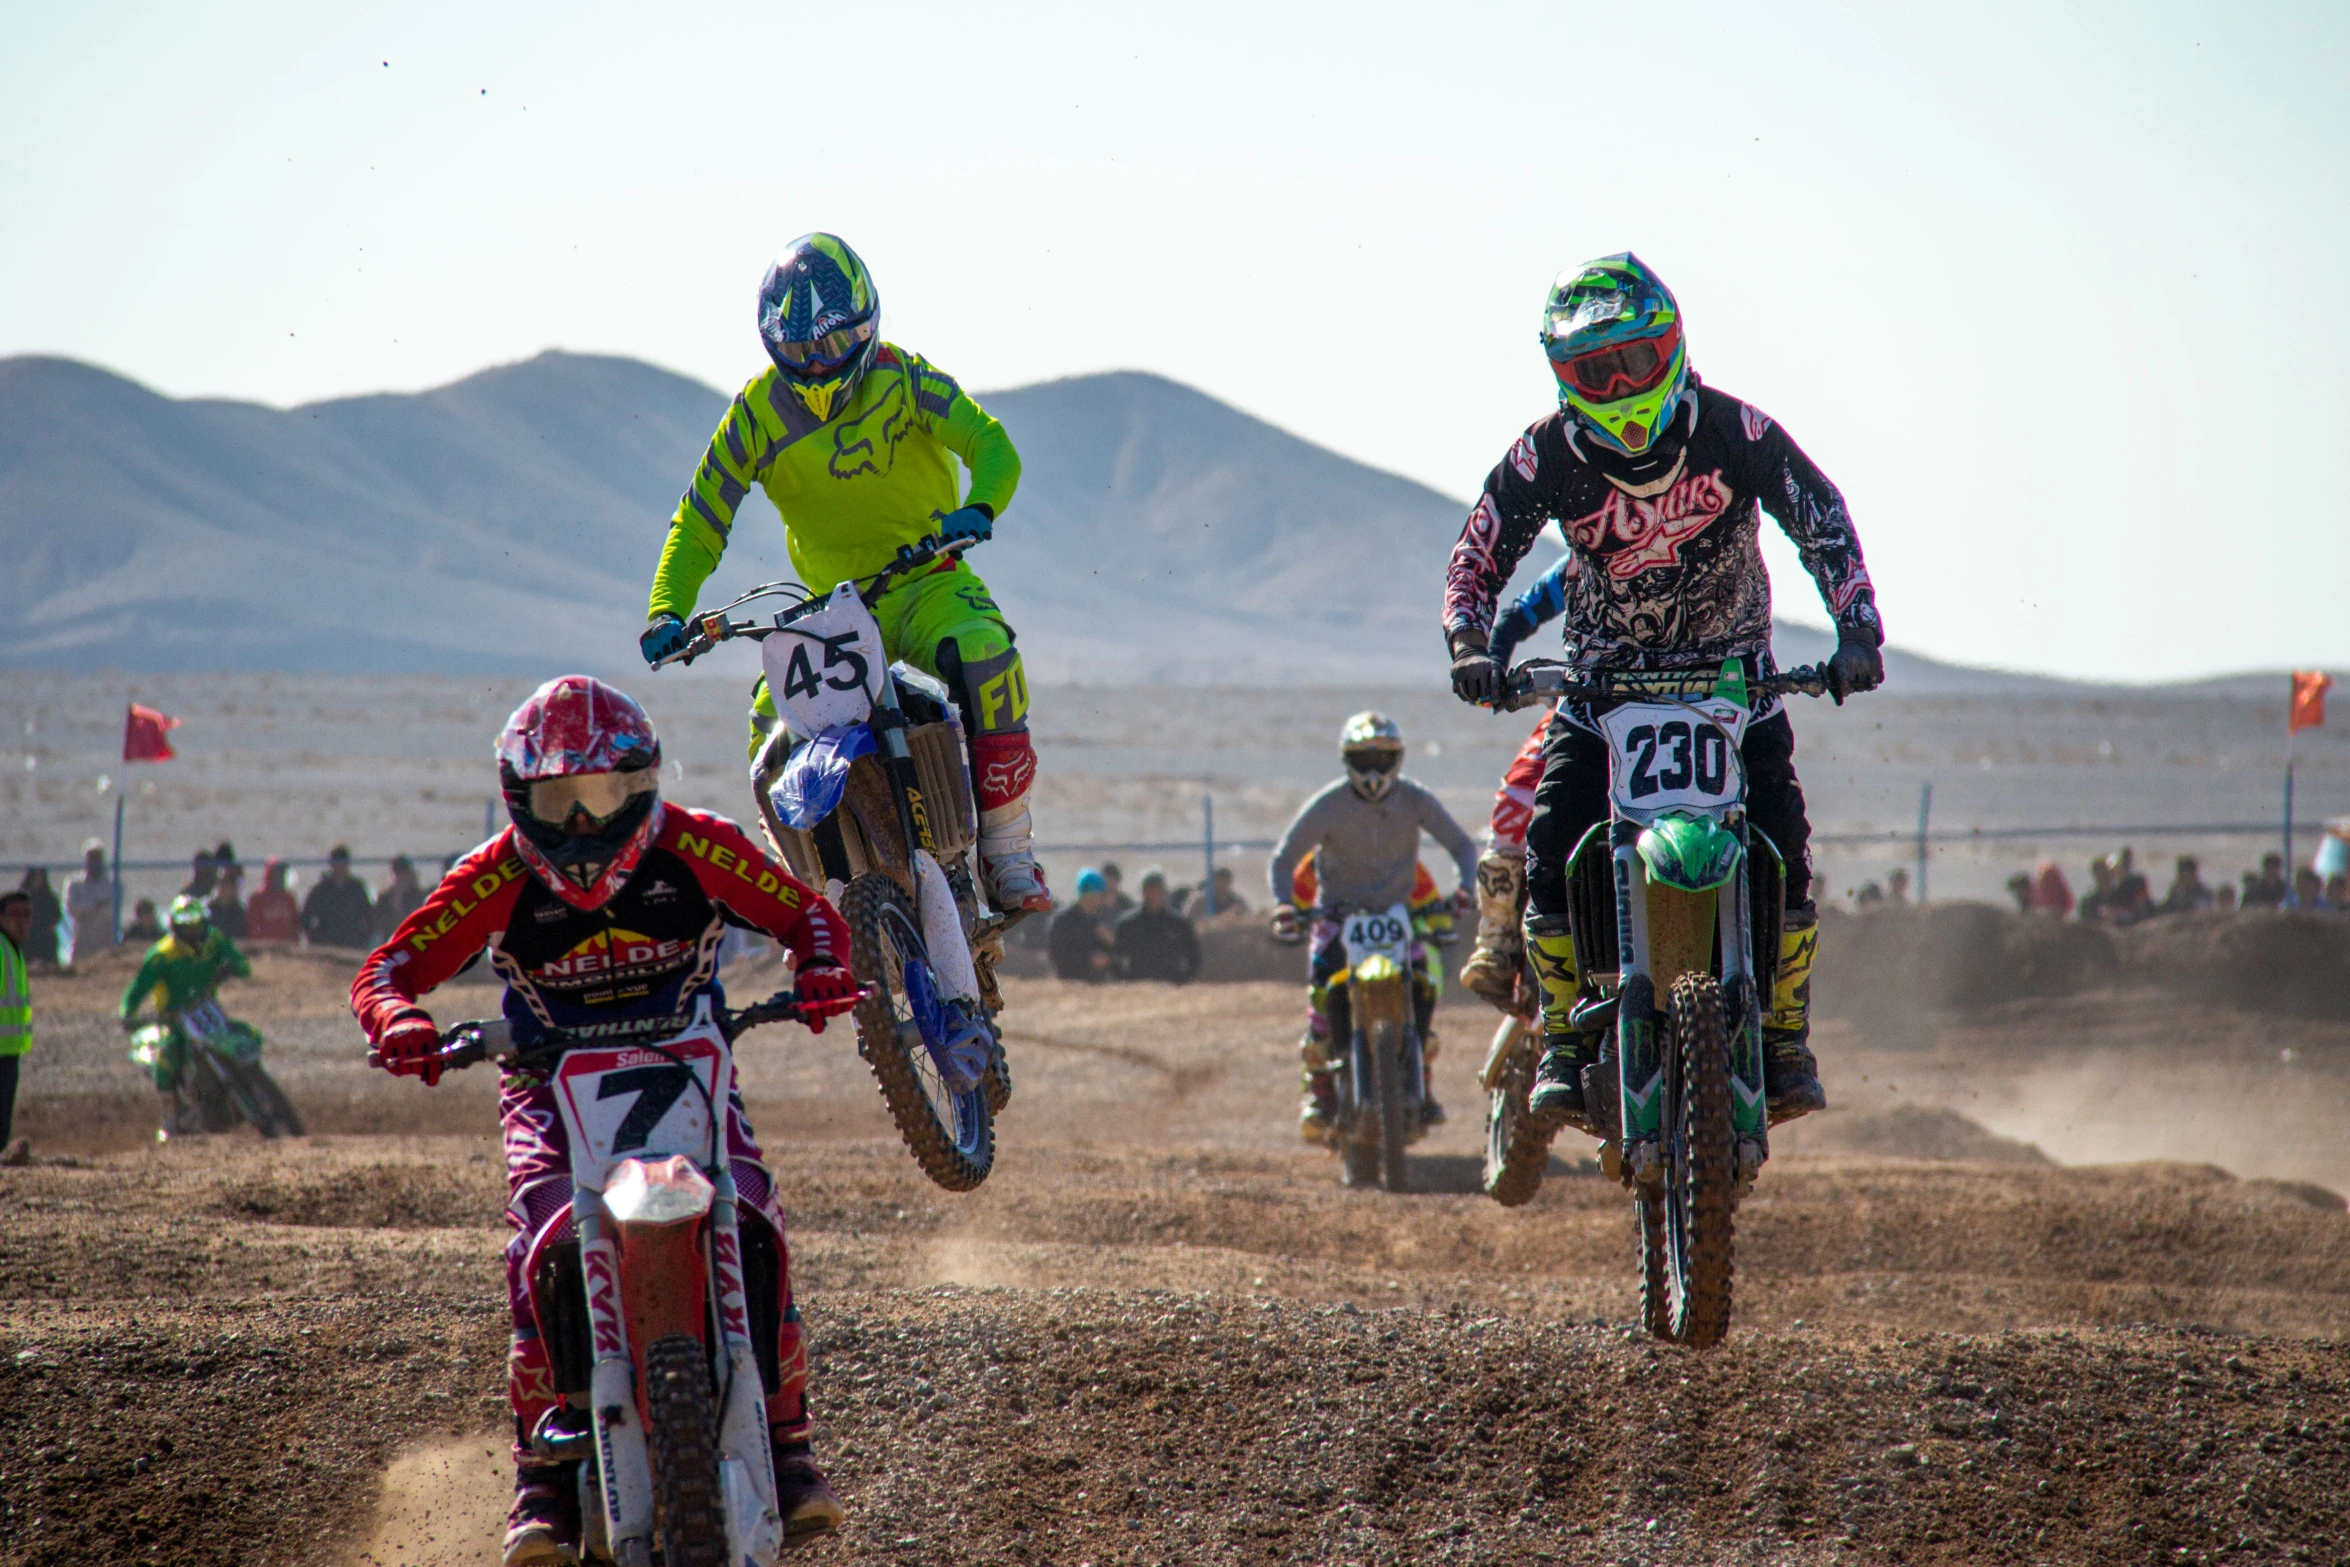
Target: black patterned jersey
{"x":1671,"y":565}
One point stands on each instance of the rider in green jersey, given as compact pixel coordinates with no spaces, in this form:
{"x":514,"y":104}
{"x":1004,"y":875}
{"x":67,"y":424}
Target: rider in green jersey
{"x":181,"y":971}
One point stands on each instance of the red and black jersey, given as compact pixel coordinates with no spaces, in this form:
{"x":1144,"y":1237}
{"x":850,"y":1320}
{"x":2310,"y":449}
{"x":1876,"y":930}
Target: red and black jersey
{"x":633,"y":966}
{"x":1671,"y":569}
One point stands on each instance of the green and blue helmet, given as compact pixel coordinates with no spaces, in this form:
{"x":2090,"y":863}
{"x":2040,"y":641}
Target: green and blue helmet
{"x":1612,"y":333}
{"x":820,"y":317}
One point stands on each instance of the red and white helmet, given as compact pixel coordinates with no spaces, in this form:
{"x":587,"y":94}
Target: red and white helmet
{"x":581,"y":770}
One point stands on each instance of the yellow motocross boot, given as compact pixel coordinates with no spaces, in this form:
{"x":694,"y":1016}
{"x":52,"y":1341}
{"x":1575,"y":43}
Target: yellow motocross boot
{"x":1492,"y":967}
{"x":1791,"y":1078}
{"x":1557,"y":1099}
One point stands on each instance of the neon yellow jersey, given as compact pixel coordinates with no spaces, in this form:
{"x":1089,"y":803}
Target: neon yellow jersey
{"x":851,"y":489}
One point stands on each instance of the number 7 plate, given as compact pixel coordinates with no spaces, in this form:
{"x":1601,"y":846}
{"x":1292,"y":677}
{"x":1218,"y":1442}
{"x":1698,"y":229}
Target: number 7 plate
{"x":630,"y":1102}
{"x":1665,"y":756}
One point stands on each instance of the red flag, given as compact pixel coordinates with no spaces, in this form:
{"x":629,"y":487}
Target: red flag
{"x":2309,"y":700}
{"x":143,"y":731}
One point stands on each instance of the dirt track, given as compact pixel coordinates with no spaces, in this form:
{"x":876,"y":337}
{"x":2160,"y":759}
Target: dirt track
{"x":1162,"y":1333}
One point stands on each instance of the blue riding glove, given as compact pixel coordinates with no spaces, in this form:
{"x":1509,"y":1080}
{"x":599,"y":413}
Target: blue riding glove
{"x":664,"y":637}
{"x":970,"y":525}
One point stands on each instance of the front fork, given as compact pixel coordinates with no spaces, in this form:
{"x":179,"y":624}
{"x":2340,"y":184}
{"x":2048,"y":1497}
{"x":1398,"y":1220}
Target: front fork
{"x":623,"y":1494}
{"x":1639,"y":1057}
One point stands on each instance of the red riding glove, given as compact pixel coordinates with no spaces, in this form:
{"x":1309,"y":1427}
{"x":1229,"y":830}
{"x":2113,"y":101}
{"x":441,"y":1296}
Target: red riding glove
{"x":411,"y":1048}
{"x":825,"y":991}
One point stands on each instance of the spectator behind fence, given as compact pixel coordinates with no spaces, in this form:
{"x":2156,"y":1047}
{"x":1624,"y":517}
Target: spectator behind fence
{"x":1155,"y":942}
{"x":89,"y":902}
{"x":2223,"y":898}
{"x":145,"y":927}
{"x":2266,"y":889}
{"x":2308,"y":891}
{"x":272,"y":914}
{"x":2133,"y":898}
{"x":1897,"y":887}
{"x":202,"y":874}
{"x":1868,"y":895}
{"x":2019,"y":887}
{"x":2052,"y":895}
{"x":338,"y":912}
{"x":2338,"y":891}
{"x":226,"y":907}
{"x":2187,"y":893}
{"x":16,"y":1014}
{"x":1190,"y":903}
{"x":2097,"y":902}
{"x":1120,"y":905}
{"x":1081,"y":939}
{"x":400,"y":898}
{"x":44,"y":936}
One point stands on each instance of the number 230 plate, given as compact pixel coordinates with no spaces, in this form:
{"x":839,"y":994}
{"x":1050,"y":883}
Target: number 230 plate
{"x":1668,"y":755}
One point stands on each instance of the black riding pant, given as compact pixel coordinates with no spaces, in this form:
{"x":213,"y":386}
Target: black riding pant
{"x":1573,"y":795}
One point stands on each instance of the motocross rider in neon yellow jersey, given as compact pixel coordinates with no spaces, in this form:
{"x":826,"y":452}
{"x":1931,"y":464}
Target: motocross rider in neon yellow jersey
{"x":856,"y":441}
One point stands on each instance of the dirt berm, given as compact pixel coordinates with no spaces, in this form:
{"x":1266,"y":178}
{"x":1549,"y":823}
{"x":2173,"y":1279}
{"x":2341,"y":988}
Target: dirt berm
{"x":1965,"y":955}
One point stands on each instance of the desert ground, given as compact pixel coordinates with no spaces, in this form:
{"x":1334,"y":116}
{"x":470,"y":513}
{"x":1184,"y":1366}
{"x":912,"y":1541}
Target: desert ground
{"x":2064,"y":1276}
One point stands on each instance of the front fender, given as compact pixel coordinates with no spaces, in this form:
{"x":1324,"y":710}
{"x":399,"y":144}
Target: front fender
{"x":1693,"y":853}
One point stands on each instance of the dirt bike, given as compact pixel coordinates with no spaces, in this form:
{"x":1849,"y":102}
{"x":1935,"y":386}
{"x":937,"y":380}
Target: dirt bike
{"x":1676,"y":902}
{"x":657,"y":1309}
{"x":223,"y":1074}
{"x":1380,"y":1076}
{"x":867,"y":761}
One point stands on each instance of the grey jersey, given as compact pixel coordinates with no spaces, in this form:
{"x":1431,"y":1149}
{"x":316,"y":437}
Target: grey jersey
{"x":1365,"y":851}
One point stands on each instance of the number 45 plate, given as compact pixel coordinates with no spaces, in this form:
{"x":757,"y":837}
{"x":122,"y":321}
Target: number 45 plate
{"x":825,"y":668}
{"x":628,"y":1101}
{"x":1666,"y":756}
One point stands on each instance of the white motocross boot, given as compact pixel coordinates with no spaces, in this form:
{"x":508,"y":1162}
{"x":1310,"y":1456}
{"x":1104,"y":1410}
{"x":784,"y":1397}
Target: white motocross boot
{"x":1007,"y":860}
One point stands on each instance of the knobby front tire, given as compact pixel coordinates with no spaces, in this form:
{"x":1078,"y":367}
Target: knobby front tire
{"x":951,"y":1135}
{"x":1701,"y":1163}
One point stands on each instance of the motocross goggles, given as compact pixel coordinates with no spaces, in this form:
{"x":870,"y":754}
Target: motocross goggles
{"x":603,"y":796}
{"x":827,"y":352}
{"x":1381,"y":761}
{"x":1621,"y":370}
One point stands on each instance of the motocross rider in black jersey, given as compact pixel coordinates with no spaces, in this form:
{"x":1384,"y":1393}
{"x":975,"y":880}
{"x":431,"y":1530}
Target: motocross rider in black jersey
{"x":1656,"y":480}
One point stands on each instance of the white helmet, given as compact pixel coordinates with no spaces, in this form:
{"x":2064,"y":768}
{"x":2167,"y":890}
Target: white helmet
{"x":1373,"y":751}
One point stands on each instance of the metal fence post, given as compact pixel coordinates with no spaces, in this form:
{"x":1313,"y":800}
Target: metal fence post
{"x":1207,"y":882}
{"x":1925,"y":815}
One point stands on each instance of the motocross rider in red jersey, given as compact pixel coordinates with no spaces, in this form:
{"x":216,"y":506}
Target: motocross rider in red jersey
{"x":1491,"y":968}
{"x":602,"y":909}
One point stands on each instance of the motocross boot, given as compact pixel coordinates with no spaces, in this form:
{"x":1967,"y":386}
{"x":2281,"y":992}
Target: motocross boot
{"x":1007,"y":860}
{"x":543,"y":1528}
{"x":801,"y":1495}
{"x":1492,"y":967}
{"x":1791,"y":1078}
{"x":169,"y":1112}
{"x":1557,"y":1098}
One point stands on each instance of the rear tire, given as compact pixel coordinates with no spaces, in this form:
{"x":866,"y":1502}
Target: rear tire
{"x":682,"y":1433}
{"x":1656,"y":1270}
{"x":1517,"y":1152}
{"x":1387,"y":1041}
{"x":264,"y":1103}
{"x":1700,"y":1195}
{"x":951,"y":1135}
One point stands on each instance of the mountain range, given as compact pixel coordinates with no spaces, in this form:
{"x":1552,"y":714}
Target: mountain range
{"x":509,"y":523}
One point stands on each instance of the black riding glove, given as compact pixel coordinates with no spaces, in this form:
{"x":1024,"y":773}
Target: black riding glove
{"x":1857,"y":666}
{"x":1476,"y":673}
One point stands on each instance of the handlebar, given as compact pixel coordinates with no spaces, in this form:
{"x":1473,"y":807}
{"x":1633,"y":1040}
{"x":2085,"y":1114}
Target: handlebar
{"x":715,"y":628}
{"x":471,"y":1043}
{"x":1541,"y":679}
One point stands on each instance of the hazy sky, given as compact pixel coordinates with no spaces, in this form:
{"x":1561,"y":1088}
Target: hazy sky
{"x":2055,"y":293}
